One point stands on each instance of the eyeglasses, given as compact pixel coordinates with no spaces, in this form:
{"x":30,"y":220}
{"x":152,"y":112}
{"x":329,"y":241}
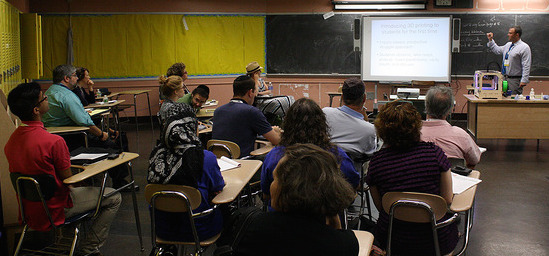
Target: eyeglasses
{"x":40,"y":102}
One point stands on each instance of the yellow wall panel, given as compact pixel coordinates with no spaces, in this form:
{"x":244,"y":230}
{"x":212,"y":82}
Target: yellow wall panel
{"x":140,"y":45}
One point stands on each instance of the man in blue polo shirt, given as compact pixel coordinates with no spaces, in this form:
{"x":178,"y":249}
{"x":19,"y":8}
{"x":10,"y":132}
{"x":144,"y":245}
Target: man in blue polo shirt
{"x":238,"y":121}
{"x":348,"y":129}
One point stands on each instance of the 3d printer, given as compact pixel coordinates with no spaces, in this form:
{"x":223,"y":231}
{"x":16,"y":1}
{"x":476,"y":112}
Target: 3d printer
{"x":488,"y":84}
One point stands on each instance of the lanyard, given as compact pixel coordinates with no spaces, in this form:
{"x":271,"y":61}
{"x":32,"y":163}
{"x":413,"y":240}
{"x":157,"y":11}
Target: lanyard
{"x":238,"y":101}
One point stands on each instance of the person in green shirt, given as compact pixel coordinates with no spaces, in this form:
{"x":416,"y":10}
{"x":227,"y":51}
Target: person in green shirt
{"x":197,"y":97}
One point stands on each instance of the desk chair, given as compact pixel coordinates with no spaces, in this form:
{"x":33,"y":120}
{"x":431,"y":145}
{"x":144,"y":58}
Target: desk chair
{"x":360,"y":162}
{"x":365,"y":242}
{"x":40,"y":188}
{"x":232,"y":150}
{"x":224,"y":148}
{"x":177,"y":198}
{"x":418,"y":208}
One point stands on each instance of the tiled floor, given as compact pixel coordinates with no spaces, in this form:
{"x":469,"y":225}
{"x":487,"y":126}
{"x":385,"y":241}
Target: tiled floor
{"x":512,"y":202}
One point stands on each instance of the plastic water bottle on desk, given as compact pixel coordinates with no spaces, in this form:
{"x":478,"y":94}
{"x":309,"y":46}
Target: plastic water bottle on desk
{"x":271,"y":87}
{"x":532,"y":94}
{"x":105,"y":99}
{"x":98,"y":94}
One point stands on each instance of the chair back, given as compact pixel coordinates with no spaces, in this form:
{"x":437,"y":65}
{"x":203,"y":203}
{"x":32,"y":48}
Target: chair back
{"x":35,"y":188}
{"x":173,"y":198}
{"x":224,"y":148}
{"x":414,"y":207}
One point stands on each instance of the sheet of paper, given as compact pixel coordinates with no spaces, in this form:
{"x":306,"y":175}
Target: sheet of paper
{"x":87,"y":156}
{"x":227,"y":164}
{"x":482,"y":150}
{"x":461,"y":183}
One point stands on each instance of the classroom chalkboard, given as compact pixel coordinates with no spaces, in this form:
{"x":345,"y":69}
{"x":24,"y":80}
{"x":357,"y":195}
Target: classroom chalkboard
{"x":474,"y":54}
{"x":309,"y":44}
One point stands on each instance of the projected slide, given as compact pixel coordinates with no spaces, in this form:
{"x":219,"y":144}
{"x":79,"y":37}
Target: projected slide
{"x":401,"y":49}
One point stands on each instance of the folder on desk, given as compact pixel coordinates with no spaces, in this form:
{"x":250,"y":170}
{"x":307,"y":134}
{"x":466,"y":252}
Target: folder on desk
{"x":226,"y":163}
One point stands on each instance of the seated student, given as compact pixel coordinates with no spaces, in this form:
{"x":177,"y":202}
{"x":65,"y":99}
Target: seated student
{"x":84,"y":87}
{"x":179,"y":159}
{"x":273,"y":107}
{"x":65,"y":109}
{"x":239,"y":122}
{"x":455,"y":142}
{"x":254,"y":71}
{"x":31,"y":150}
{"x":197,"y":98}
{"x":177,"y":69}
{"x":410,"y":165}
{"x":306,"y":123}
{"x":308,"y":192}
{"x":348,"y":129}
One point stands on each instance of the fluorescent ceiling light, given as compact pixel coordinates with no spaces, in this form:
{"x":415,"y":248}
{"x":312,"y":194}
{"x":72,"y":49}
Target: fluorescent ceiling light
{"x":379,"y":6}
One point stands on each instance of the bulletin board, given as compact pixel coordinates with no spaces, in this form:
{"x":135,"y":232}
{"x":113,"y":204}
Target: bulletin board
{"x":145,"y":45}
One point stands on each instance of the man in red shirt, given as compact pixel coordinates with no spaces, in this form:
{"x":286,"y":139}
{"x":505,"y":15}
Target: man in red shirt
{"x":31,"y":150}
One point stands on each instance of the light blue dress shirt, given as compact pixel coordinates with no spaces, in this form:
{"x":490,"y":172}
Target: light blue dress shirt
{"x":65,"y":108}
{"x":520,"y":58}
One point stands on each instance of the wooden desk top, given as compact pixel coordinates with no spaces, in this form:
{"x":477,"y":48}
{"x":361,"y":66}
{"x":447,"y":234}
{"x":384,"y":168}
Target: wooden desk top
{"x":108,"y":96}
{"x":133,"y":92}
{"x":236,"y":179}
{"x":334,"y":93}
{"x":365,"y":241}
{"x":99,"y":167}
{"x":464,"y":201}
{"x":263,"y":150}
{"x":207,"y":130}
{"x":106,"y":105}
{"x":100,"y":111}
{"x":66,"y":129}
{"x":205,"y":112}
{"x":474,"y":99}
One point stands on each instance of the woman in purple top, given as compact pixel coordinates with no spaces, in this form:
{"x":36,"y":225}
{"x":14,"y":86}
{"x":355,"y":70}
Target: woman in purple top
{"x":305,"y":123}
{"x":409,"y":165}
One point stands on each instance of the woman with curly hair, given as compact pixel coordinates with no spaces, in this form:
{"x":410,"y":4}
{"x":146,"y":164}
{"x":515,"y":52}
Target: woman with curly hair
{"x":178,"y":158}
{"x":410,"y":165}
{"x":305,"y":123}
{"x":307,"y":194}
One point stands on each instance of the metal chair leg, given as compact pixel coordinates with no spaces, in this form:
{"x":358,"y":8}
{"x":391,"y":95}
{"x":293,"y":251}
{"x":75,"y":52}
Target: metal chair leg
{"x":20,"y":243}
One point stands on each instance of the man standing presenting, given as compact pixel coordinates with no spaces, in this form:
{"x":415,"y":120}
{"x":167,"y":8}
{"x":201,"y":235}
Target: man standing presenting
{"x":348,"y":129}
{"x":240,"y":122}
{"x":454,"y":141}
{"x":517,"y":59}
